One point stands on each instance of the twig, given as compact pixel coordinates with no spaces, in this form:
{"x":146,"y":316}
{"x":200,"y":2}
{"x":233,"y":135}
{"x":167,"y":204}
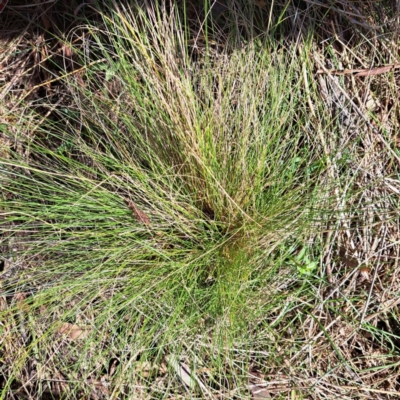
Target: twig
{"x":361,"y":72}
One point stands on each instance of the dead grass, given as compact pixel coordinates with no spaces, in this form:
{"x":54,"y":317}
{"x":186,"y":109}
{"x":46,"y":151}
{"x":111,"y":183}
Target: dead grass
{"x":336,"y":337}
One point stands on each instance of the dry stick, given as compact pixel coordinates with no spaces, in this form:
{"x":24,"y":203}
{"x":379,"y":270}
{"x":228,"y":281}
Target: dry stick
{"x":362,"y":72}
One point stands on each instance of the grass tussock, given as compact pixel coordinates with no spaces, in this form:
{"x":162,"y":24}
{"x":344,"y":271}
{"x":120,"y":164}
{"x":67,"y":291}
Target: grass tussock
{"x":213,"y":222}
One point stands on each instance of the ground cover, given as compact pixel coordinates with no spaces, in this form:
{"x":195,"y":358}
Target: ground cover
{"x":200,"y":203}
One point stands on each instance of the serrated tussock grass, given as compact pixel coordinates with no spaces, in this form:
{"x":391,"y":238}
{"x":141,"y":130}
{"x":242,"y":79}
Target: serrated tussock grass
{"x":159,"y":210}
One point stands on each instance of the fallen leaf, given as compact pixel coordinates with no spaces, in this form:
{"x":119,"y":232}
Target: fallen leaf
{"x":377,"y":71}
{"x":73,"y":331}
{"x":139,"y":215}
{"x":364,"y":273}
{"x":183,"y":374}
{"x":189,"y":378}
{"x":113,"y":367}
{"x":163,"y":368}
{"x":67,"y":51}
{"x":258,"y":392}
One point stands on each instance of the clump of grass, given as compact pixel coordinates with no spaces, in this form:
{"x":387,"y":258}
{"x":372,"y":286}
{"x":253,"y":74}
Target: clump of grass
{"x":174,"y":209}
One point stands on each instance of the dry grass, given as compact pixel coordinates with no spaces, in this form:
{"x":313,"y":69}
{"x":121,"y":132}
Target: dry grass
{"x":336,"y":335}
